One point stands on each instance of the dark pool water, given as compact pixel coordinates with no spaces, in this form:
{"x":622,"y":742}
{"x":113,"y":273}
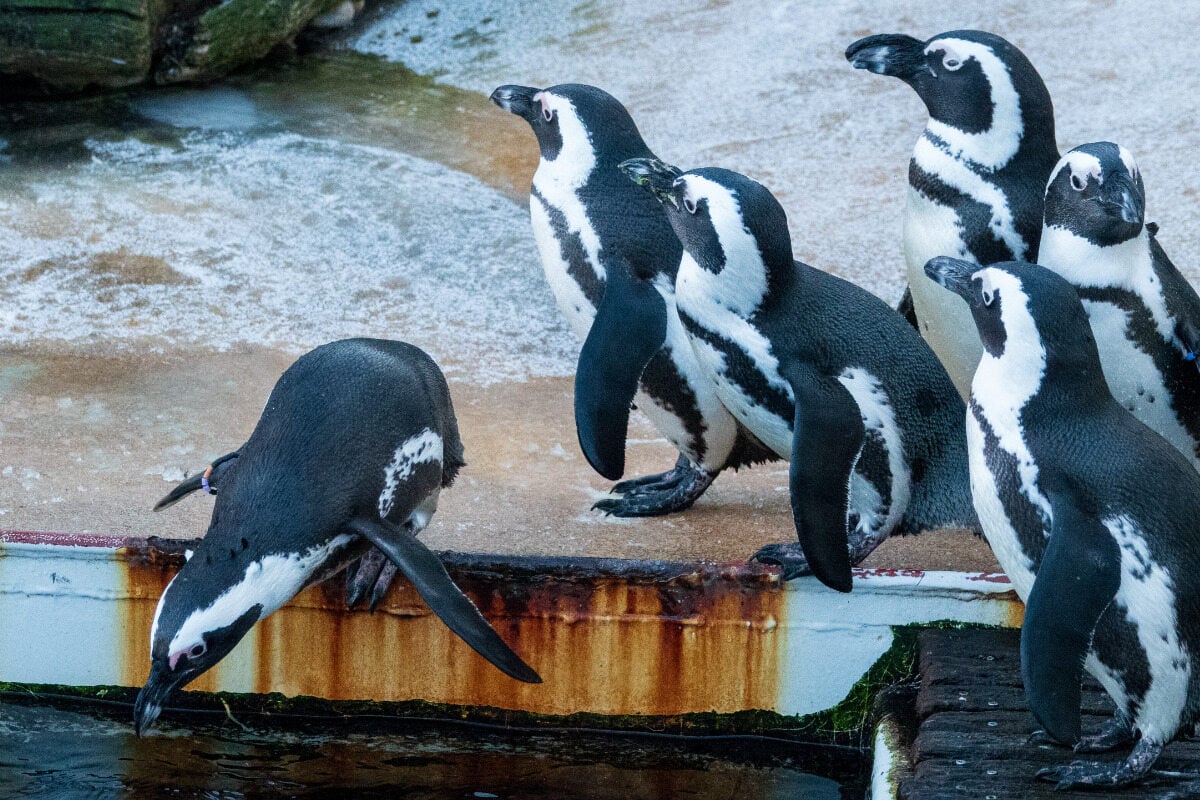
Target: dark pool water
{"x":90,"y":752}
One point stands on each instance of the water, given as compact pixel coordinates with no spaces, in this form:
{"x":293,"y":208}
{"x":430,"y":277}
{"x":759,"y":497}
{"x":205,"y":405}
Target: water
{"x":81,"y":752}
{"x":310,"y":200}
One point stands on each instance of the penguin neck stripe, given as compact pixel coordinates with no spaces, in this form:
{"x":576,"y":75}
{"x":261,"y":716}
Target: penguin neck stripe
{"x":270,"y":582}
{"x":995,"y":147}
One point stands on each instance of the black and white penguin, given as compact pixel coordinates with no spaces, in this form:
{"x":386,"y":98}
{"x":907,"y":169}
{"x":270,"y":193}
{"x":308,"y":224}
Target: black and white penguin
{"x":978,"y":173}
{"x":1092,"y":515}
{"x":598,"y":237}
{"x":356,"y":441}
{"x":820,"y":370}
{"x":1144,"y":314}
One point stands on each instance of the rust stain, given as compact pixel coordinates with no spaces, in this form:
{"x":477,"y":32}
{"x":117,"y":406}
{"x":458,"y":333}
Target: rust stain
{"x":608,"y":637}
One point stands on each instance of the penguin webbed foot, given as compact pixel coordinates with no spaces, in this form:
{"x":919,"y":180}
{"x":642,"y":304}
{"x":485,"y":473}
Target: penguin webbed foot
{"x":1091,"y":774}
{"x":656,"y":482}
{"x":789,"y":556}
{"x":655,"y":495}
{"x":1115,"y":733}
{"x":373,"y":572}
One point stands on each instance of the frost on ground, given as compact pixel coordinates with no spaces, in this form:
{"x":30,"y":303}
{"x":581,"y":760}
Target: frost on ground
{"x":763,"y":87}
{"x":283,"y":241}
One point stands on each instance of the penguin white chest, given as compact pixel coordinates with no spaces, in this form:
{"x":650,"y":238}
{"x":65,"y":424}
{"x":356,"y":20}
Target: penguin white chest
{"x":564,"y":205}
{"x":945,"y":321}
{"x":997,"y":527}
{"x":1133,"y":377}
{"x":698,"y":296}
{"x":1146,"y":601}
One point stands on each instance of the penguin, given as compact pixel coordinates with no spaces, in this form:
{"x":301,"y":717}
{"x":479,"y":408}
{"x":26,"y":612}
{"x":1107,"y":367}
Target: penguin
{"x":820,"y":370}
{"x":1144,"y":314}
{"x":597,"y":236}
{"x":978,"y":173}
{"x":372,"y":574}
{"x":1092,"y":515}
{"x":357,"y":439}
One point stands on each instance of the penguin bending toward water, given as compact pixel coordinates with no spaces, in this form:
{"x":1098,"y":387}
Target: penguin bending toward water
{"x":597,"y":235}
{"x":1092,"y":515}
{"x":820,"y":370}
{"x":978,"y":173}
{"x":356,"y":441}
{"x":1144,"y":314}
{"x":370,"y":575}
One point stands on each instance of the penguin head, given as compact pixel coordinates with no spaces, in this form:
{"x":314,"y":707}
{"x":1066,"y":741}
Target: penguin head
{"x":574,"y":122}
{"x":199,"y":619}
{"x":1024,"y":313}
{"x":1096,"y":193}
{"x":972,"y":82}
{"x":719,"y":215}
{"x":226,"y":585}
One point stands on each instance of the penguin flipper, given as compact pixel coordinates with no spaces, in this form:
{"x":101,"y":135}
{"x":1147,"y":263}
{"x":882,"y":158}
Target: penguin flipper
{"x":630,"y":327}
{"x":189,"y":485}
{"x":422,"y":566}
{"x":827,"y":437}
{"x":1077,"y":580}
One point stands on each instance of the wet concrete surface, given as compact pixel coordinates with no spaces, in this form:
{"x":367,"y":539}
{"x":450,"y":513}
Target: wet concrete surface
{"x":165,"y":255}
{"x":90,"y":443}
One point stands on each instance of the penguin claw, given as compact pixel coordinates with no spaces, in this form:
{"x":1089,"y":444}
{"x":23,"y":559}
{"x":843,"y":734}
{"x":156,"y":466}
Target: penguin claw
{"x":788,"y":556}
{"x":1040,"y":738}
{"x":363,"y":575}
{"x":383,"y":583}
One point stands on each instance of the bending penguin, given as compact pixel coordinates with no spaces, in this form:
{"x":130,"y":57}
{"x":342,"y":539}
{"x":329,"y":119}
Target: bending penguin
{"x":1092,"y":515}
{"x":1144,"y":314}
{"x":356,"y":441}
{"x":978,"y":173}
{"x":599,"y":237}
{"x":820,"y":370}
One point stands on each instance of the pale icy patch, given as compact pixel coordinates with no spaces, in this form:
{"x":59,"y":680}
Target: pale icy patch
{"x":282,"y":241}
{"x":424,"y":447}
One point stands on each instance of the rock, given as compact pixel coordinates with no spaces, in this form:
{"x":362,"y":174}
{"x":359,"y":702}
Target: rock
{"x":53,"y":46}
{"x":68,"y":46}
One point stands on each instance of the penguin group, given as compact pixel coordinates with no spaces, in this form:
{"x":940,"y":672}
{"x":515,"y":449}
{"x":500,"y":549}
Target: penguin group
{"x":1038,"y":385}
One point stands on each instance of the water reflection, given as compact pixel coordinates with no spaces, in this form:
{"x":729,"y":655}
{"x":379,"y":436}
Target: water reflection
{"x":90,"y":753}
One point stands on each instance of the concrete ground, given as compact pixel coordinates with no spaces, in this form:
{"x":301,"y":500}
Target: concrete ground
{"x":89,"y":443}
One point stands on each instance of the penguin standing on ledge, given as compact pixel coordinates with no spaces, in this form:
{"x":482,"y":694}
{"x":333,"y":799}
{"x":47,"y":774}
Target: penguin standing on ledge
{"x":599,"y":236}
{"x":978,"y":173}
{"x":822,"y":371}
{"x":1145,"y":315}
{"x":356,"y":441}
{"x":1092,"y":515}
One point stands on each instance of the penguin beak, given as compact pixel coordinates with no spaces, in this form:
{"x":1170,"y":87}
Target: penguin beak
{"x":657,"y":176}
{"x":516,"y":99}
{"x":953,"y":274}
{"x":150,"y":699}
{"x":894,"y":54}
{"x":1121,"y":197}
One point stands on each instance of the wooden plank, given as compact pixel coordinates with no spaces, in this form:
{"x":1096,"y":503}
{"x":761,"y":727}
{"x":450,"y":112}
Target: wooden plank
{"x":974,"y":725}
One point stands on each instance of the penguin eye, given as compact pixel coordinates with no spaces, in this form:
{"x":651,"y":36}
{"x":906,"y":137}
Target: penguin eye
{"x":951,"y":63}
{"x":988,"y":297}
{"x":547,"y":114}
{"x":1077,"y":183}
{"x":690,"y":205}
{"x":197,"y":650}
